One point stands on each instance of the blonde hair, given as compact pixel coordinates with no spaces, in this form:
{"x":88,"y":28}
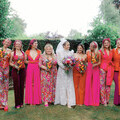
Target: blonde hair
{"x":95,"y":46}
{"x":49,"y":45}
{"x":102,"y":48}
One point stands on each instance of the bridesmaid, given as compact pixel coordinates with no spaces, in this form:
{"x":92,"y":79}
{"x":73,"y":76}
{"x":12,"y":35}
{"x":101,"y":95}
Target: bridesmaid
{"x":116,"y":61}
{"x":4,"y":73}
{"x":33,"y":89}
{"x":48,"y":74}
{"x":65,"y":94}
{"x":79,"y":78}
{"x":17,"y":61}
{"x":106,"y":71}
{"x":92,"y":76}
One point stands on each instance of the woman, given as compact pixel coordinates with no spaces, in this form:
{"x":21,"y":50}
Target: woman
{"x":79,"y":75}
{"x":48,"y":65}
{"x":33,"y":89}
{"x":92,"y":76}
{"x":17,"y":61}
{"x":106,"y":71}
{"x":4,"y":73}
{"x":116,"y":61}
{"x":65,"y":93}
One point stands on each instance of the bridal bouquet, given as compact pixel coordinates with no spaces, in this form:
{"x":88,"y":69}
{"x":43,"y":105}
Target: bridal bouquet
{"x":68,"y":62}
{"x":81,"y":66}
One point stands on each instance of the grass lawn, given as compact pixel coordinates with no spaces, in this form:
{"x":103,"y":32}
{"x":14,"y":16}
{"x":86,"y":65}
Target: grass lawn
{"x":58,"y":112}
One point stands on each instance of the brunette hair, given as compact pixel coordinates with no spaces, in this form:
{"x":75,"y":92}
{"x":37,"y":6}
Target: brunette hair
{"x":31,"y":43}
{"x":83,"y":47}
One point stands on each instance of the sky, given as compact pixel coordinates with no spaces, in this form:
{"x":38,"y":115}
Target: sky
{"x":56,"y":15}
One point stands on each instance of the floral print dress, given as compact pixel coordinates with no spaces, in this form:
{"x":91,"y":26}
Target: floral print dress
{"x":48,"y":80}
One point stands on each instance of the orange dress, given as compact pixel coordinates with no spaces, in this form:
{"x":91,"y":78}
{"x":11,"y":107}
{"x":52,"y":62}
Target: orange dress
{"x":79,"y":84}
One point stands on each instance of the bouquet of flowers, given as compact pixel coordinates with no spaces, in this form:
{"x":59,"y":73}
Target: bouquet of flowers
{"x":49,"y":64}
{"x":2,"y":54}
{"x":81,"y":66}
{"x":19,"y":64}
{"x":68,"y":62}
{"x":94,"y":59}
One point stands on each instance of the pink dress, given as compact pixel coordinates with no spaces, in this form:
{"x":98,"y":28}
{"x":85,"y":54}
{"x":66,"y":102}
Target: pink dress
{"x":48,"y":80}
{"x":33,"y":89}
{"x":92,"y":88}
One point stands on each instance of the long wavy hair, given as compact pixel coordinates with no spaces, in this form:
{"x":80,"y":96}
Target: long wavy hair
{"x":102,"y":48}
{"x":21,"y":49}
{"x":95,"y":46}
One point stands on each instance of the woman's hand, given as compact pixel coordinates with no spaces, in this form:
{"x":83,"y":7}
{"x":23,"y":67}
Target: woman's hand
{"x":66,"y":68}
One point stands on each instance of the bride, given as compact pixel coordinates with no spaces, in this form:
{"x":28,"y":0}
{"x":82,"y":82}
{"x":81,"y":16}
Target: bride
{"x":65,"y":93}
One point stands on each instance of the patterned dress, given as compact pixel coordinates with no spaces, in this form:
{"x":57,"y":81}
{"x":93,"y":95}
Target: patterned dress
{"x":48,"y":80}
{"x":4,"y":80}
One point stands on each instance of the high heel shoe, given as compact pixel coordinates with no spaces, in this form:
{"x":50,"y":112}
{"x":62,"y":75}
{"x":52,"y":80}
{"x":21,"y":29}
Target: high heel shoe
{"x":46,"y":105}
{"x":6,"y":108}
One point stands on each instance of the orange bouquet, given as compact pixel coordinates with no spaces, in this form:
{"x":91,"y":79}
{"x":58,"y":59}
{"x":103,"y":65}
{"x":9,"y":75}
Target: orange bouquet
{"x":49,"y":64}
{"x":94,"y":59}
{"x":81,"y":66}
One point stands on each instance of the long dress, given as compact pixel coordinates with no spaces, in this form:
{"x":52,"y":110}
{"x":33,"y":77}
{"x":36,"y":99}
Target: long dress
{"x":33,"y":87}
{"x":48,"y":80}
{"x":92,"y":87}
{"x":4,"y":80}
{"x":79,"y":84}
{"x":19,"y":79}
{"x":116,"y":61}
{"x":106,"y":76}
{"x":64,"y":85}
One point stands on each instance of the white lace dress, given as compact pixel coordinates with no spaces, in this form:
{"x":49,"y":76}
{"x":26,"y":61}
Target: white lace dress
{"x":64,"y":84}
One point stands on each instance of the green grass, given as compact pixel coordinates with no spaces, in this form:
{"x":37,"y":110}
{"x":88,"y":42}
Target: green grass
{"x":57,"y":112}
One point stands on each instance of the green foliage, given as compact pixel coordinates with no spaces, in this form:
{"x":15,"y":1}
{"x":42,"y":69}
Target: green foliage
{"x":101,"y":31}
{"x":4,"y":12}
{"x":10,"y":24}
{"x":109,"y":12}
{"x":74,"y":34}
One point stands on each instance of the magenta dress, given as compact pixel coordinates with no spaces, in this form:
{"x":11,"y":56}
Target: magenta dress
{"x":92,"y":87}
{"x":48,"y":80}
{"x":33,"y":89}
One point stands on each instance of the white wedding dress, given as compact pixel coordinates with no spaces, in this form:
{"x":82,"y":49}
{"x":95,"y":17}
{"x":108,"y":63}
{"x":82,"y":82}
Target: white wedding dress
{"x":64,"y":84}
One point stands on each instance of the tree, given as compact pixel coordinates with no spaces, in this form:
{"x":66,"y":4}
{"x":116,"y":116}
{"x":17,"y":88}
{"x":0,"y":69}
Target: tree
{"x":74,"y":34}
{"x":109,"y":12}
{"x":4,"y":12}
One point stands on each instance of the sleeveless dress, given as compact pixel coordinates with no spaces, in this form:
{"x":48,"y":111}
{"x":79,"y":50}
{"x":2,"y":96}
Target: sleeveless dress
{"x":19,"y":79}
{"x":33,"y":87}
{"x":79,"y":84}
